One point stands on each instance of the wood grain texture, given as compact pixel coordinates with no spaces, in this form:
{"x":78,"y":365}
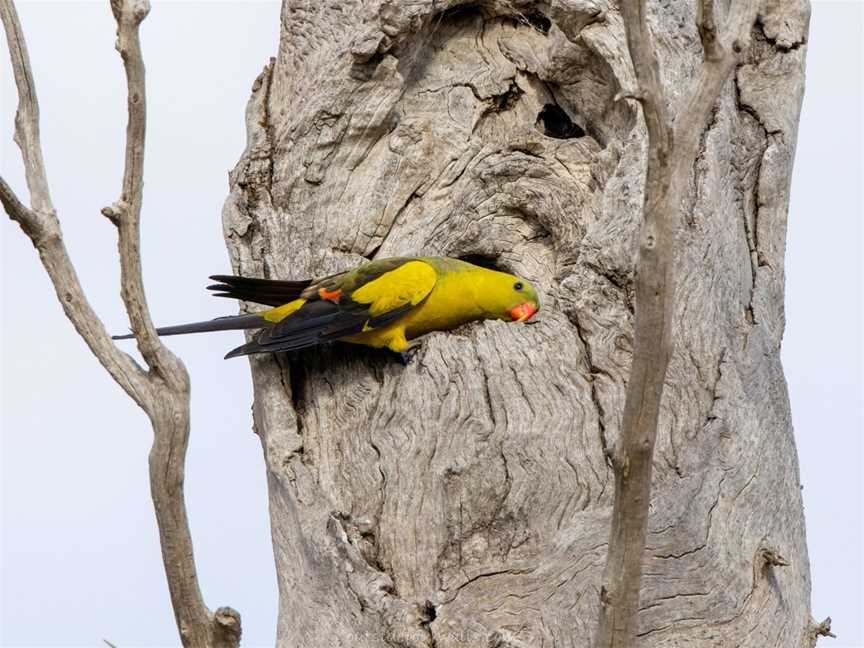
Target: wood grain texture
{"x":671,"y":154}
{"x":464,"y":500}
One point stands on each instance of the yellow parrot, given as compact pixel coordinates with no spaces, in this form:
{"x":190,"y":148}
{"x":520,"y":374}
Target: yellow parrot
{"x":384,"y":303}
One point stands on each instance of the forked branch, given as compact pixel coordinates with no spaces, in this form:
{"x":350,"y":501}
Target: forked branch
{"x":41,"y":225}
{"x":672,"y":150}
{"x":162,"y":390}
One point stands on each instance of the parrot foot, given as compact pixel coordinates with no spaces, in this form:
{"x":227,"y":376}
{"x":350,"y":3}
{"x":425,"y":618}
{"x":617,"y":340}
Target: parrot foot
{"x":409,"y":352}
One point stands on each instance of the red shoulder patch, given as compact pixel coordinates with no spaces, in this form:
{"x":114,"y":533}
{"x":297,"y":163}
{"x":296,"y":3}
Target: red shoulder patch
{"x":330,"y":295}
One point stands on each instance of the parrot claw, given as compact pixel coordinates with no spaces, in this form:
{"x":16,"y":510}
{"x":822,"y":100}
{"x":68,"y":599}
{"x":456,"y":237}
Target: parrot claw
{"x":409,"y":352}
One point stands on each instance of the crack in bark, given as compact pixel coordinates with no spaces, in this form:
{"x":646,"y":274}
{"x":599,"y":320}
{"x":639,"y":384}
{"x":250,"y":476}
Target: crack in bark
{"x":694,"y":196}
{"x":255,"y":177}
{"x":751,"y":233}
{"x":620,"y":279}
{"x":762,"y":562}
{"x":293,"y":388}
{"x":268,"y":127}
{"x":498,"y":103}
{"x":393,"y":220}
{"x":712,"y":389}
{"x":657,"y":602}
{"x":782,"y":48}
{"x":593,"y":371}
{"x":704,"y":544}
{"x":485,"y":575}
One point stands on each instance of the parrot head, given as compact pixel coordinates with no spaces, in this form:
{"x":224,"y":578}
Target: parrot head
{"x":518,"y":297}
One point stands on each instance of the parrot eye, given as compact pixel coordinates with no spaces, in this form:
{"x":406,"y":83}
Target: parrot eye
{"x":518,"y":286}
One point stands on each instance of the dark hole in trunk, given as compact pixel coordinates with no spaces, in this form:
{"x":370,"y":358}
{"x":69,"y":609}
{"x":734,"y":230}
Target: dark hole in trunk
{"x":461,"y":11}
{"x":484,"y":261}
{"x":554,"y":122}
{"x":430,"y":611}
{"x":539,"y":22}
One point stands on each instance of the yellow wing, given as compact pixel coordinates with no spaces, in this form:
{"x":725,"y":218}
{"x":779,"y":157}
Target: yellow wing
{"x":406,"y":286}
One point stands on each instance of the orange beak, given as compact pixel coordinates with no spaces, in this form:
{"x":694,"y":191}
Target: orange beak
{"x":523,"y":312}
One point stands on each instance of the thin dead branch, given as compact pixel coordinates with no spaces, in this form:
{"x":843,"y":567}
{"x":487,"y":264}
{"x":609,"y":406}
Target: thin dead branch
{"x":163,"y":391}
{"x":41,"y":225}
{"x":672,"y":151}
{"x":821,"y":630}
{"x":125,"y":212}
{"x":27,"y":115}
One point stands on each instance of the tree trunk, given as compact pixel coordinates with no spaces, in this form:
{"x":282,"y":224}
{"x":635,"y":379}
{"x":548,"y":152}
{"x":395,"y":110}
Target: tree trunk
{"x":464,"y":500}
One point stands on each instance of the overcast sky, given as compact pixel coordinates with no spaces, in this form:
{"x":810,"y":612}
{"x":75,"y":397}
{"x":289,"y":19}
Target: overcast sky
{"x":80,"y":559}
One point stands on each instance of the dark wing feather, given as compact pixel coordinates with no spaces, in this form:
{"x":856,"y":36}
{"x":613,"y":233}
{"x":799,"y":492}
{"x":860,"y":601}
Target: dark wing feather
{"x":316,"y":322}
{"x":276,"y":293}
{"x":259,"y":291}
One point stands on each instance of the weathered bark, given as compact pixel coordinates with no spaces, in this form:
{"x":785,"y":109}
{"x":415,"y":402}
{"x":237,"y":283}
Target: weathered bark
{"x":671,"y":154}
{"x":464,"y":500}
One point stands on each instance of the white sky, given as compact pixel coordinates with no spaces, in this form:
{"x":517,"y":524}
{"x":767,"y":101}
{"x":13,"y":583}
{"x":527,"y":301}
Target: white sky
{"x":80,"y":556}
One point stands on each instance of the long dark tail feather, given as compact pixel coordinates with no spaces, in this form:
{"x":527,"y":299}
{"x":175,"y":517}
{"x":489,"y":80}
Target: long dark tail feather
{"x":317,"y":322}
{"x":240,"y":351}
{"x":259,"y":291}
{"x":230,"y":323}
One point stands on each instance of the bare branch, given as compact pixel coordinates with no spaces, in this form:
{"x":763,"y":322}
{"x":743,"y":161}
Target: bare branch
{"x":169,"y":409}
{"x":44,"y":232}
{"x":126,"y":212}
{"x":18,"y":211}
{"x":822,"y":630}
{"x":27,"y":115}
{"x":41,"y":224}
{"x":163,"y":393}
{"x":713,"y":73}
{"x":649,"y":86}
{"x":632,"y":458}
{"x":671,"y":154}
{"x":707,"y":26}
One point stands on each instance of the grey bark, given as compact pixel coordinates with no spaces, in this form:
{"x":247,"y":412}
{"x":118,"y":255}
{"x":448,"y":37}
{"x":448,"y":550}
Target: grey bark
{"x":672,"y":151}
{"x":464,"y":500}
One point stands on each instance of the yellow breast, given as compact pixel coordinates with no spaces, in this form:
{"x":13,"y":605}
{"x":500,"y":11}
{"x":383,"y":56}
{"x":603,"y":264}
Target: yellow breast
{"x":452,"y":302}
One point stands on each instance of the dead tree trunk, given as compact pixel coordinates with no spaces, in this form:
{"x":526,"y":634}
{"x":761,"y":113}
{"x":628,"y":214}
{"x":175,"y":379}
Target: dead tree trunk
{"x":464,"y":500}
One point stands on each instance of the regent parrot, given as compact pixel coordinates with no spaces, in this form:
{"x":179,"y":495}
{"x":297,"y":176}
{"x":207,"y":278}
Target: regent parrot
{"x":384,"y":303}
